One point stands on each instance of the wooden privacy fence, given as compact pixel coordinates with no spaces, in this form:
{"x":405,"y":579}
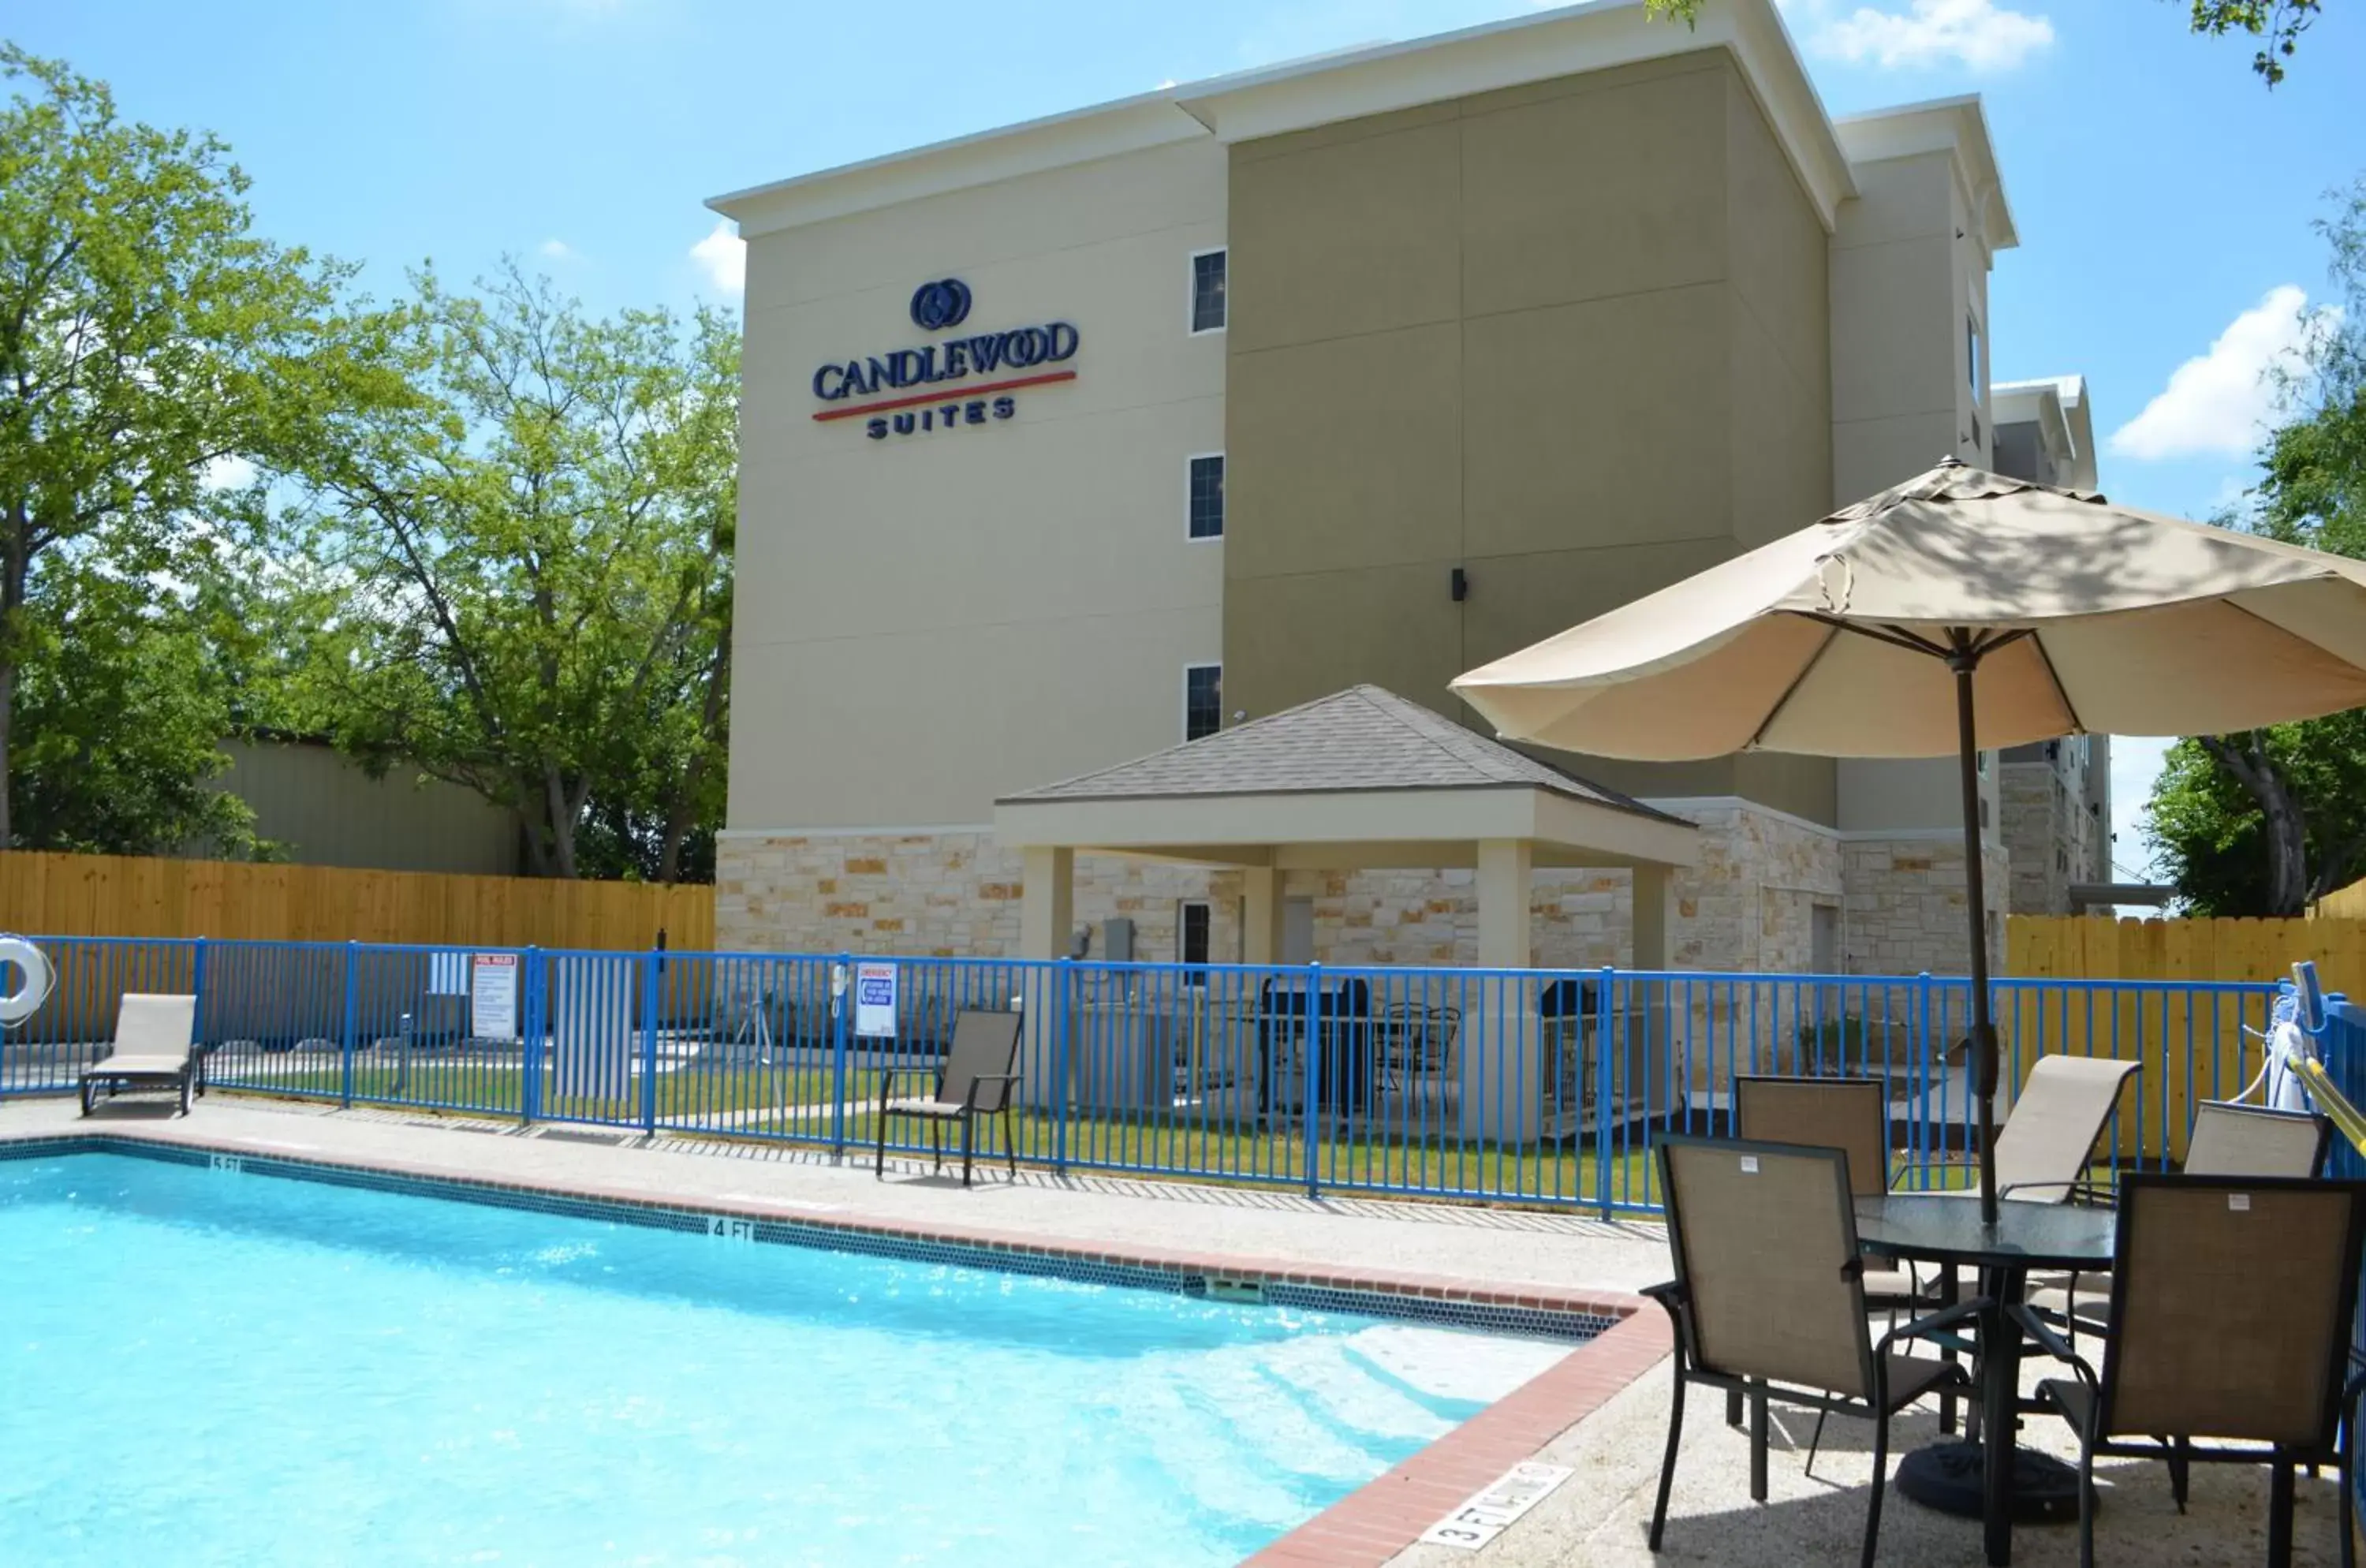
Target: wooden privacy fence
{"x":60,"y":895}
{"x":2191,"y":1032}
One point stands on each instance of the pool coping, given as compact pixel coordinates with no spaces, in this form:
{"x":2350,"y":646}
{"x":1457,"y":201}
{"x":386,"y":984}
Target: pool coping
{"x":1613,"y":1339}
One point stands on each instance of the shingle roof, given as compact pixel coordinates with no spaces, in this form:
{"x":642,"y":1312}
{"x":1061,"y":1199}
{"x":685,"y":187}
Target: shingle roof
{"x":1362,"y":738}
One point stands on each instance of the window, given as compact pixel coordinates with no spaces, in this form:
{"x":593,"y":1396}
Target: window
{"x":1207,"y":291}
{"x":1191,"y":937}
{"x":1203,"y":700}
{"x":1972,"y":353}
{"x":1205,"y":506}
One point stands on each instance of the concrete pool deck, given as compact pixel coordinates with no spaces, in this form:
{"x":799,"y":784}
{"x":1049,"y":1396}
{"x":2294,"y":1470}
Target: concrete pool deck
{"x":1601,"y":1410}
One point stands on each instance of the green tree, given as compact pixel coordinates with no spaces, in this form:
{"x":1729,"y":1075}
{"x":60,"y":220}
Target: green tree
{"x":146,"y":336}
{"x":2277,"y":24}
{"x":2260,"y":823}
{"x":124,"y":694}
{"x":521,"y":571}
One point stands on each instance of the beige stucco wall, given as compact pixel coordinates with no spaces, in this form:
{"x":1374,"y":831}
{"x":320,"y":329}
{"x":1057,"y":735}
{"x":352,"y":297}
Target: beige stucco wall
{"x":1906,"y":268}
{"x":1463,"y":335}
{"x":928,"y":621}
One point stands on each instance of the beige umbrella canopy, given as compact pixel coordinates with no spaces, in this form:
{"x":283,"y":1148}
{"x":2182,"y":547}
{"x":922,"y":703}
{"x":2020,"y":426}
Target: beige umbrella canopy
{"x":1960,"y":612}
{"x":2091,"y":617}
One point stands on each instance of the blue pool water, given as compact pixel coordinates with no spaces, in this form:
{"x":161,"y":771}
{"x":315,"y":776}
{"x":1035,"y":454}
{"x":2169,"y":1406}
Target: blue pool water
{"x":277,"y":1371}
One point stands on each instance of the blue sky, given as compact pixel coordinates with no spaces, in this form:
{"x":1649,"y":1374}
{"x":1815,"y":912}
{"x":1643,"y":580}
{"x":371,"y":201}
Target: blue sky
{"x":2163,"y":196}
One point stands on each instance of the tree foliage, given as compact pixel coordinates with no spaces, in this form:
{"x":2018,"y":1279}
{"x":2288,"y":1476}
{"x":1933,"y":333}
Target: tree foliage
{"x":147,"y":335}
{"x":124,"y":694}
{"x":520,"y":571}
{"x":2277,"y":24}
{"x":2259,"y":824}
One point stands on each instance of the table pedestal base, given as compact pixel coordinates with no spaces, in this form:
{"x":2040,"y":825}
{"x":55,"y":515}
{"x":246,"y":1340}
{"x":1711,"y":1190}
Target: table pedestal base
{"x":1948,"y":1476}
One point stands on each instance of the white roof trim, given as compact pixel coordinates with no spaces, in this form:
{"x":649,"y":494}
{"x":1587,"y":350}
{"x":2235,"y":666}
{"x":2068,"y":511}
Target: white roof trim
{"x":1958,"y":126}
{"x":1326,"y":89}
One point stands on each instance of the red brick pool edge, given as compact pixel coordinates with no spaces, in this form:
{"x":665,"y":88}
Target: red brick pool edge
{"x":1367,"y":1527}
{"x":1374,"y":1523}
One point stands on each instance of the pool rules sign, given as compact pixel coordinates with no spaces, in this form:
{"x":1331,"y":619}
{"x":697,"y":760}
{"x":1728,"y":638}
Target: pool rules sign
{"x":874,"y":999}
{"x":493,"y":995}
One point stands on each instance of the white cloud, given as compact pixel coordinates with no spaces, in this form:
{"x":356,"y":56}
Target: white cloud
{"x":723,"y":256}
{"x":2216,"y":403}
{"x":558,"y":251}
{"x":227,"y":473}
{"x":1977,"y":34}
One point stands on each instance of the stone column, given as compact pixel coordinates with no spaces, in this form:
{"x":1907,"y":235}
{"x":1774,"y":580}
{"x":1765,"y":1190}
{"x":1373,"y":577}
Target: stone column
{"x":1651,"y":946}
{"x":1261,"y":888}
{"x":1504,"y":885}
{"x":1047,"y":907}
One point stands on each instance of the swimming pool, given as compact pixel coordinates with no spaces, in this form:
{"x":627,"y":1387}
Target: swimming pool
{"x":289,"y":1371}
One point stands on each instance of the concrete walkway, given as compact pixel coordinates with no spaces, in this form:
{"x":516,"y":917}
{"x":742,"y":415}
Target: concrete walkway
{"x":1599,"y":1517}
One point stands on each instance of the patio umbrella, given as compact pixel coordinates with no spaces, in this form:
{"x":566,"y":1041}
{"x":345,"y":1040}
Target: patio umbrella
{"x":1962,"y":611}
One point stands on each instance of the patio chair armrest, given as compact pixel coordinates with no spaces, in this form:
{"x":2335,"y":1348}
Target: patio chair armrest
{"x":888,"y":1077}
{"x":2052,"y":1343}
{"x":1946,"y":1317}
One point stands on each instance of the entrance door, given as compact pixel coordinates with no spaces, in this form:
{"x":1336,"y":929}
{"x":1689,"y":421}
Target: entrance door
{"x":1298,"y":931}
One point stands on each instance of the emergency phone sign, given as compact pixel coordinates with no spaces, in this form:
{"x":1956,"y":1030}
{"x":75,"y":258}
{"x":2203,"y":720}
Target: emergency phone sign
{"x":874,"y":999}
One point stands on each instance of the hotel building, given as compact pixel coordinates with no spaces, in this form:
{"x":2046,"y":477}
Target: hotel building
{"x":1069,"y":442}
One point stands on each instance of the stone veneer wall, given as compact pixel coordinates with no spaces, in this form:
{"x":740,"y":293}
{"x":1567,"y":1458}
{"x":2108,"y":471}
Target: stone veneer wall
{"x":2030,"y":796}
{"x":950,"y":895}
{"x":1904,"y":912}
{"x":1748,"y":906}
{"x":957,"y":894}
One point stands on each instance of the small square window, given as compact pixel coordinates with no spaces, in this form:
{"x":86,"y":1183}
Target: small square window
{"x":1206,"y":503}
{"x":1208,"y":291}
{"x":1203,"y":700}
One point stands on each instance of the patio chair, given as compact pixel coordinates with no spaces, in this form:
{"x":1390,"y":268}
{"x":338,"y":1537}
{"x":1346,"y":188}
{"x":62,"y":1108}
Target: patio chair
{"x":2231,"y":1304}
{"x":974,"y":1079}
{"x":1769,"y":1299}
{"x":2048,"y":1140}
{"x":1852,"y":1116}
{"x":155,"y":1047}
{"x":2227,"y":1140}
{"x":1848,"y":1114}
{"x":1416,"y":1043}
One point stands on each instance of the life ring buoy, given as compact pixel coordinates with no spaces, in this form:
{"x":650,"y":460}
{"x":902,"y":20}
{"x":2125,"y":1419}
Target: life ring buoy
{"x":33,"y":990}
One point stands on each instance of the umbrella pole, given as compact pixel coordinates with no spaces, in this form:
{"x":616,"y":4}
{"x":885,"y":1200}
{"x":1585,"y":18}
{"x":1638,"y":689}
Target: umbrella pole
{"x":1963,"y":661}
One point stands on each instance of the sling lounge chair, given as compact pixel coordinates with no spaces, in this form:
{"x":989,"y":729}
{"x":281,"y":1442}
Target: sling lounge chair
{"x":155,"y":1047}
{"x":2231,"y":1304}
{"x":1769,"y":1299}
{"x":974,"y":1079}
{"x":2046,"y":1144}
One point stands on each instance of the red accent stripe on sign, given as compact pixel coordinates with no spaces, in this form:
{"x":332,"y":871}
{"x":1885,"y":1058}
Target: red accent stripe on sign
{"x":959,"y":395}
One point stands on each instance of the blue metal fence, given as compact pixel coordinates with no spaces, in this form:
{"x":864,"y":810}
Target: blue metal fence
{"x":1523,"y":1085}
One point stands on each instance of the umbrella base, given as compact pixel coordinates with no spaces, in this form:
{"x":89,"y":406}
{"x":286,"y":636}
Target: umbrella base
{"x":1948,"y":1476}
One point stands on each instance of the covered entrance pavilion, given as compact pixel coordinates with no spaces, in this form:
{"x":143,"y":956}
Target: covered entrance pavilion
{"x":1360,"y":780}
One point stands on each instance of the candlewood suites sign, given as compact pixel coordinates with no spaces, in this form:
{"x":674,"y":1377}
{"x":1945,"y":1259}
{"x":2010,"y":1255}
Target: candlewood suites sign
{"x":951,"y":381}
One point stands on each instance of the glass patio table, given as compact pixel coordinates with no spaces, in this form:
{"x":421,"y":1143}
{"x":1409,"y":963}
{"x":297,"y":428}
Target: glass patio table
{"x":1993,"y":1479}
